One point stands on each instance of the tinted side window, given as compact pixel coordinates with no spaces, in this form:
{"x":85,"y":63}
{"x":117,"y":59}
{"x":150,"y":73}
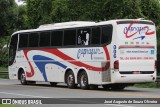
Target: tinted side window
{"x":96,"y":35}
{"x":23,"y":40}
{"x":69,"y":37}
{"x":44,"y":39}
{"x":83,"y":36}
{"x":106,"y":34}
{"x":56,"y":38}
{"x":33,"y":39}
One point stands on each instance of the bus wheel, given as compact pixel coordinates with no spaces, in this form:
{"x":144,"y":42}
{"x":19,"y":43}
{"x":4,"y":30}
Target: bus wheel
{"x":53,"y":83}
{"x":83,"y":81}
{"x":70,"y":80}
{"x":23,"y":79}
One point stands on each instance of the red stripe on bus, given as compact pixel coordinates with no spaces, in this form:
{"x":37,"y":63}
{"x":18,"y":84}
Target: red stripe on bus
{"x":73,"y":61}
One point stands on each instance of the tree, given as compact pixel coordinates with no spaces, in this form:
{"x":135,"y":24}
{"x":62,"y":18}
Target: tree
{"x":38,"y":12}
{"x":7,"y":16}
{"x":22,"y":19}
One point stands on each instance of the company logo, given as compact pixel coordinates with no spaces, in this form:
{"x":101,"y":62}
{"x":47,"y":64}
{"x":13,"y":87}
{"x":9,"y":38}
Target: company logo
{"x":114,"y":51}
{"x":131,"y":31}
{"x":91,"y":52}
{"x":6,"y":101}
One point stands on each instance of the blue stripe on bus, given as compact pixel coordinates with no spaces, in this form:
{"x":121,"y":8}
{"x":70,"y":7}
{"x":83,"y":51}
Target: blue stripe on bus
{"x":41,"y":62}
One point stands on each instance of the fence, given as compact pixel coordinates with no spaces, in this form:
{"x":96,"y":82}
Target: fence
{"x":3,"y":72}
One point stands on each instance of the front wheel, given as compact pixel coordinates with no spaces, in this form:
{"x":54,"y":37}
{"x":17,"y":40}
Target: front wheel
{"x":23,"y":79}
{"x":83,"y":81}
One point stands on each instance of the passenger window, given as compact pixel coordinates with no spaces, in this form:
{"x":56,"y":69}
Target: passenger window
{"x":83,"y":36}
{"x":23,"y":41}
{"x":56,"y":38}
{"x":69,"y":37}
{"x":33,"y":39}
{"x":44,"y":39}
{"x":106,"y":34}
{"x":96,"y":35}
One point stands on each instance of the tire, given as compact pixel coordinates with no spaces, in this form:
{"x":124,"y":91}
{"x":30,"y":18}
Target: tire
{"x":53,"y":84}
{"x":23,"y":78}
{"x":83,"y":81}
{"x":70,"y":80}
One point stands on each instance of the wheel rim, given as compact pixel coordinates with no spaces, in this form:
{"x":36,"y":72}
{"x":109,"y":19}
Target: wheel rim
{"x":23,"y":78}
{"x":70,"y":79}
{"x":83,"y":80}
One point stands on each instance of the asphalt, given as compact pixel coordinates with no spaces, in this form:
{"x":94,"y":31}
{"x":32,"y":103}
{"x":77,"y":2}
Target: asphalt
{"x":13,"y":89}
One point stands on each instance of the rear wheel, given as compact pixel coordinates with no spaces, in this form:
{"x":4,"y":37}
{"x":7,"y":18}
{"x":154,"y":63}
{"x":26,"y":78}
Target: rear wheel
{"x":83,"y":81}
{"x":53,"y":83}
{"x":70,"y":80}
{"x":23,"y":78}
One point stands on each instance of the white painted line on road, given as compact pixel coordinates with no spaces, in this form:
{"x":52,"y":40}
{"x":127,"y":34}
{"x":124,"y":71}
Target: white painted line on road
{"x":119,"y":105}
{"x":23,"y":95}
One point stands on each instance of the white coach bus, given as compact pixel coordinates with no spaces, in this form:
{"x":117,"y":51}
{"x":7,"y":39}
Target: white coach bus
{"x":112,"y":54}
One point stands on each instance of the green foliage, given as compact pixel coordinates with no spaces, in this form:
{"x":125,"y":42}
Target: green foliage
{"x":148,"y":85}
{"x":38,"y":12}
{"x":7,"y":105}
{"x":7,"y":16}
{"x":21,"y":22}
{"x":3,"y":58}
{"x":3,"y":69}
{"x":51,"y":11}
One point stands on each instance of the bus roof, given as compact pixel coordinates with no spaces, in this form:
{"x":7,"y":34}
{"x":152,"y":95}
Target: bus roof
{"x":73,"y":24}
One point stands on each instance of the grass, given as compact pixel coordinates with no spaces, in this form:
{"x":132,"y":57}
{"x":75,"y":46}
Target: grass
{"x":7,"y":105}
{"x":4,"y":77}
{"x":147,"y":85}
{"x":4,"y":69}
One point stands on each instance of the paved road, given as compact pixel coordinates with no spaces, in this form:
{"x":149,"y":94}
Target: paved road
{"x":13,"y":89}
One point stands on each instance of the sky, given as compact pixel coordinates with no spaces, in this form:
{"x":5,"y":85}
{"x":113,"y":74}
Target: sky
{"x":19,"y":2}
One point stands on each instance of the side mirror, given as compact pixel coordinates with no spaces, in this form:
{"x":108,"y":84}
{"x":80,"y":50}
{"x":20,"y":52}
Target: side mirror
{"x":4,"y":49}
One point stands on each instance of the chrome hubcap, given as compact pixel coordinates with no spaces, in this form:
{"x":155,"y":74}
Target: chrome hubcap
{"x":70,"y":79}
{"x":23,"y":77}
{"x":83,"y":80}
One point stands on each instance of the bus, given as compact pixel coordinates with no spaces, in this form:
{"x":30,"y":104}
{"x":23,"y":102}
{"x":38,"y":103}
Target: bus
{"x":112,"y":54}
